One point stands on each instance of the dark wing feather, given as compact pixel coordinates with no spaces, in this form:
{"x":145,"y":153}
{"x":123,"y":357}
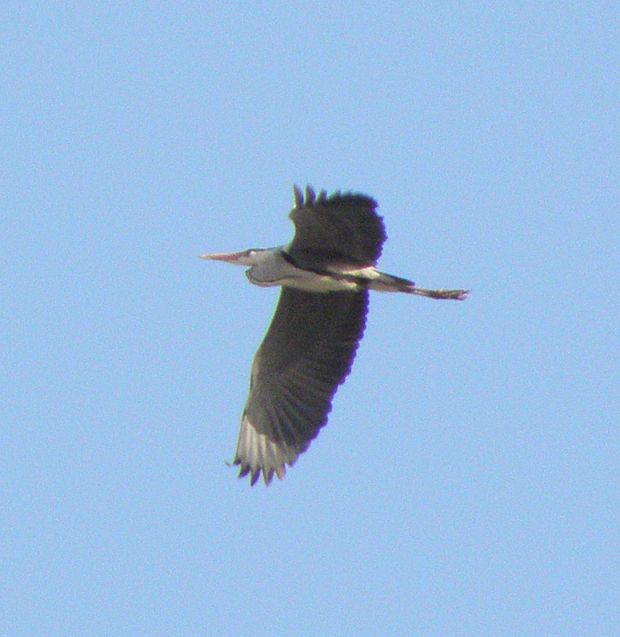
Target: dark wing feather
{"x":342,"y":228}
{"x":307,"y":352}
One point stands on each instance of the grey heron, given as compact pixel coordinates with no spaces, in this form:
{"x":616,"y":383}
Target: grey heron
{"x":325,"y":273}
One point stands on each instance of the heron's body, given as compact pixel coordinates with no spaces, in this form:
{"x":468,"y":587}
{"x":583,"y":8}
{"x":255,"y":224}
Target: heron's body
{"x":325,"y":274}
{"x":275,"y":266}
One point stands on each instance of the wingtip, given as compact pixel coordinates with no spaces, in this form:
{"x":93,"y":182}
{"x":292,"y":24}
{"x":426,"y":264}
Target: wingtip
{"x":298,"y":196}
{"x":308,"y":197}
{"x":255,"y":472}
{"x":245,"y":469}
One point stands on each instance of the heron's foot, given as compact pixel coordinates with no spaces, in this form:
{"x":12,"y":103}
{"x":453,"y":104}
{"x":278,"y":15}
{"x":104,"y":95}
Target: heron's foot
{"x":454,"y":295}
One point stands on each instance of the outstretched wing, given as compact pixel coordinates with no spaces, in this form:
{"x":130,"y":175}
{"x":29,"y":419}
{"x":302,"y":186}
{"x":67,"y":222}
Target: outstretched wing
{"x":307,"y":352}
{"x":341,"y":229}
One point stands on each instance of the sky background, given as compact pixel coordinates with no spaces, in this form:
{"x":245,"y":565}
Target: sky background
{"x":468,"y":480}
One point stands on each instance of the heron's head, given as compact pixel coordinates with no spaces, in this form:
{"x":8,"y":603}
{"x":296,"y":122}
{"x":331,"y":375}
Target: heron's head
{"x":246,"y":257}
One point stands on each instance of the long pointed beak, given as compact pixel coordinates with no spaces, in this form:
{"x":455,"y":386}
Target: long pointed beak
{"x":222,"y":256}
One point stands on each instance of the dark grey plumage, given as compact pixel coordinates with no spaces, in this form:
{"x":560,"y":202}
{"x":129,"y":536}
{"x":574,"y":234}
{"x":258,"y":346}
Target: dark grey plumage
{"x":290,"y":395}
{"x":289,"y":403}
{"x":342,"y":228}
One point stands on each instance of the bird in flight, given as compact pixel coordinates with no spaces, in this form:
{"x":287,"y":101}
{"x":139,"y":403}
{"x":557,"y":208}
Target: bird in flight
{"x":325,"y":272}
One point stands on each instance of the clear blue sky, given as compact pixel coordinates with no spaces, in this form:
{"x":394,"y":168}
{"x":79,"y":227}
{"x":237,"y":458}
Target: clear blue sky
{"x":468,"y":480}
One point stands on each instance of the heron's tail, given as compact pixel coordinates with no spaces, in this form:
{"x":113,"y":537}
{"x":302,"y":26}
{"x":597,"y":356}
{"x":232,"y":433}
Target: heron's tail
{"x":390,"y":283}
